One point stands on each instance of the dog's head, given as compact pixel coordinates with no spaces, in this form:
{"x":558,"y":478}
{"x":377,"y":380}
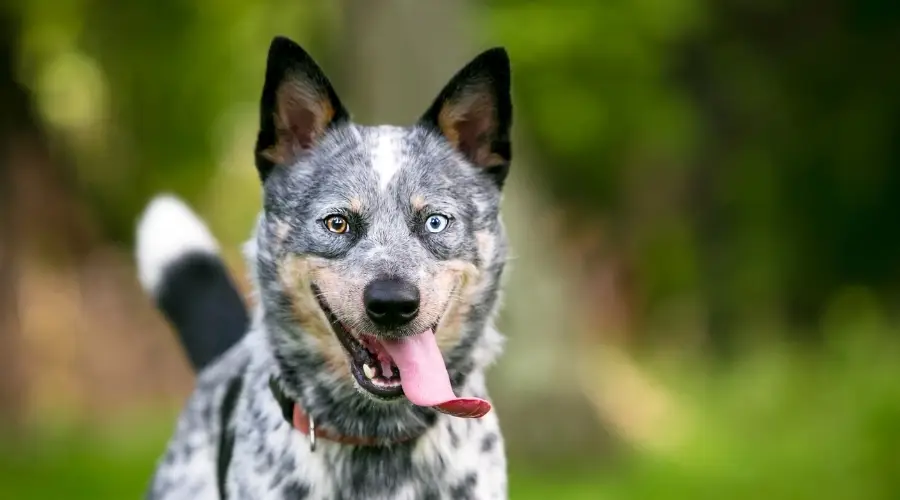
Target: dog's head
{"x":380,"y":249}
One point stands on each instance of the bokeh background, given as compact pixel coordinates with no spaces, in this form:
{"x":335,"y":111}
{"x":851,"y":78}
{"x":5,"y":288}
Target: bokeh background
{"x":704,"y":209}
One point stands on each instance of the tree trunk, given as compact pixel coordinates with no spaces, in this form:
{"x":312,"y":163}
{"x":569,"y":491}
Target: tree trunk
{"x":398,"y":55}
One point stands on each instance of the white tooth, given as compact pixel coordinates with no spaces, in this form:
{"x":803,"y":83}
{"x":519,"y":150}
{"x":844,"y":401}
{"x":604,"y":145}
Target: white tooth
{"x":369,"y":371}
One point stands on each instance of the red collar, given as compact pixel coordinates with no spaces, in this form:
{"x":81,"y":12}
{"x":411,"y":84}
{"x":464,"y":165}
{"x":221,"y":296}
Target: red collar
{"x":304,"y":423}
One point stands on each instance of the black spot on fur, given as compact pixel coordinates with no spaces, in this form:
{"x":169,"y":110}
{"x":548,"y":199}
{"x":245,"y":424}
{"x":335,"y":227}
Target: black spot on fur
{"x":488,"y":443}
{"x":226,"y":434}
{"x":454,"y":437}
{"x":296,"y":491}
{"x":465,"y":489}
{"x":286,"y":466}
{"x":440,"y":465}
{"x":286,"y":405}
{"x":378,"y":471}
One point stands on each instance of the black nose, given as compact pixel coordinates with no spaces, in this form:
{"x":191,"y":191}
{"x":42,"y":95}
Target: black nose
{"x":391,"y":302}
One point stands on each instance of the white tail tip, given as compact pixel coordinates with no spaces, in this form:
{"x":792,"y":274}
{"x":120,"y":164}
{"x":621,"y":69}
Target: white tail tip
{"x":167,"y":230}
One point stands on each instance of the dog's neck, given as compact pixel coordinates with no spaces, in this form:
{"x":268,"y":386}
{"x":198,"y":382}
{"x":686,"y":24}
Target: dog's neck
{"x":294,"y":414}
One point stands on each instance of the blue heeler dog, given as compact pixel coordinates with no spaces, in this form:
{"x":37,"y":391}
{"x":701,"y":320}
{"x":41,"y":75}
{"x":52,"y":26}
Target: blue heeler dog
{"x":376,"y":263}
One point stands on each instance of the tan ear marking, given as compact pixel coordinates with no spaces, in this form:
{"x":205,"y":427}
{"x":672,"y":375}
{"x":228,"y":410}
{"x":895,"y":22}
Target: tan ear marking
{"x":469,"y":122}
{"x":301,"y":116}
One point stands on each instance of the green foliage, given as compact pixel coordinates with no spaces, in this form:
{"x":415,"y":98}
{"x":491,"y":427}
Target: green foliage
{"x":741,"y":152}
{"x":158,"y":87}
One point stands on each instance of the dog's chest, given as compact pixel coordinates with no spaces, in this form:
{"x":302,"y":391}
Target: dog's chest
{"x":457,"y":459}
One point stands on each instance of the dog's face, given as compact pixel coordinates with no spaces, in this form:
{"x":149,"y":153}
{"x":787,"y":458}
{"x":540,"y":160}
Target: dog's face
{"x":380,"y":249}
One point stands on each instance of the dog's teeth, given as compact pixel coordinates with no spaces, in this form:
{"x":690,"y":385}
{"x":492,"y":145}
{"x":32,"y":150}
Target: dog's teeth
{"x":369,"y":371}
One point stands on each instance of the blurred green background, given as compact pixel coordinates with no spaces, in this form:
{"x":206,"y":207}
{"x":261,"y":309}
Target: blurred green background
{"x":703,"y":298}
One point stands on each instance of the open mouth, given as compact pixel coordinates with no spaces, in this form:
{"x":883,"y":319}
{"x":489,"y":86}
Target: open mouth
{"x":411,"y":366}
{"x":370,"y":363}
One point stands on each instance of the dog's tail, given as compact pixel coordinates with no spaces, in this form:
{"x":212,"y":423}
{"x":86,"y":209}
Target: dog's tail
{"x":180,"y":267}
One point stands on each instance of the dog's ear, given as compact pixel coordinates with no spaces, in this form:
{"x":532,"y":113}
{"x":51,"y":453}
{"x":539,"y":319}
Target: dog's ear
{"x":298,"y":105}
{"x":474,"y":112}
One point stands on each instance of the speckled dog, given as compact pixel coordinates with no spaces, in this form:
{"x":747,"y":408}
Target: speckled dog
{"x":376,"y":262}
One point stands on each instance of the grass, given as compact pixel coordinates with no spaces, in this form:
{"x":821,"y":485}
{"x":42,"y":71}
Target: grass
{"x":72,"y":465}
{"x":76,"y":465}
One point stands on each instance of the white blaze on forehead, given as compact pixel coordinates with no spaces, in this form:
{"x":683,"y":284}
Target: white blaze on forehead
{"x":386,"y":153}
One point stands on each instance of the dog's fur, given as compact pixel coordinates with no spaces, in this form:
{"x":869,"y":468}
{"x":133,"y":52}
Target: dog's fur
{"x":232,"y":440}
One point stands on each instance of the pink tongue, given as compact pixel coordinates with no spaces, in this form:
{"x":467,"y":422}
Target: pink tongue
{"x":424,"y":376}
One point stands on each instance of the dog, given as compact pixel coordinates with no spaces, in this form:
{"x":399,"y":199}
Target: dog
{"x":376,"y":261}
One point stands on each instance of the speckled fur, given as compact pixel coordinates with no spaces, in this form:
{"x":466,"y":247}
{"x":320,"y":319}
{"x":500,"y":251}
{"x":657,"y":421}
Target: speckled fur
{"x":458,"y":271}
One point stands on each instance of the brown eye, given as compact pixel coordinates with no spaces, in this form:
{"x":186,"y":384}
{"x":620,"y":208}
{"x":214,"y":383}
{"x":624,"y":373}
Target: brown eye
{"x":336,"y":224}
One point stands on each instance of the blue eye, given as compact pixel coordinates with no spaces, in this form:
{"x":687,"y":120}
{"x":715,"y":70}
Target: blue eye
{"x":436,"y":223}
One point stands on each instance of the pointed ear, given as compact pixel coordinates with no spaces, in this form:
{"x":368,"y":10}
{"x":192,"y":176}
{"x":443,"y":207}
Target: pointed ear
{"x":474,"y":112}
{"x":298,"y":105}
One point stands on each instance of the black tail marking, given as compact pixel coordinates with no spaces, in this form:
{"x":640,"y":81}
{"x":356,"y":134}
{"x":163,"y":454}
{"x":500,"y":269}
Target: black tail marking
{"x":199,"y":299}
